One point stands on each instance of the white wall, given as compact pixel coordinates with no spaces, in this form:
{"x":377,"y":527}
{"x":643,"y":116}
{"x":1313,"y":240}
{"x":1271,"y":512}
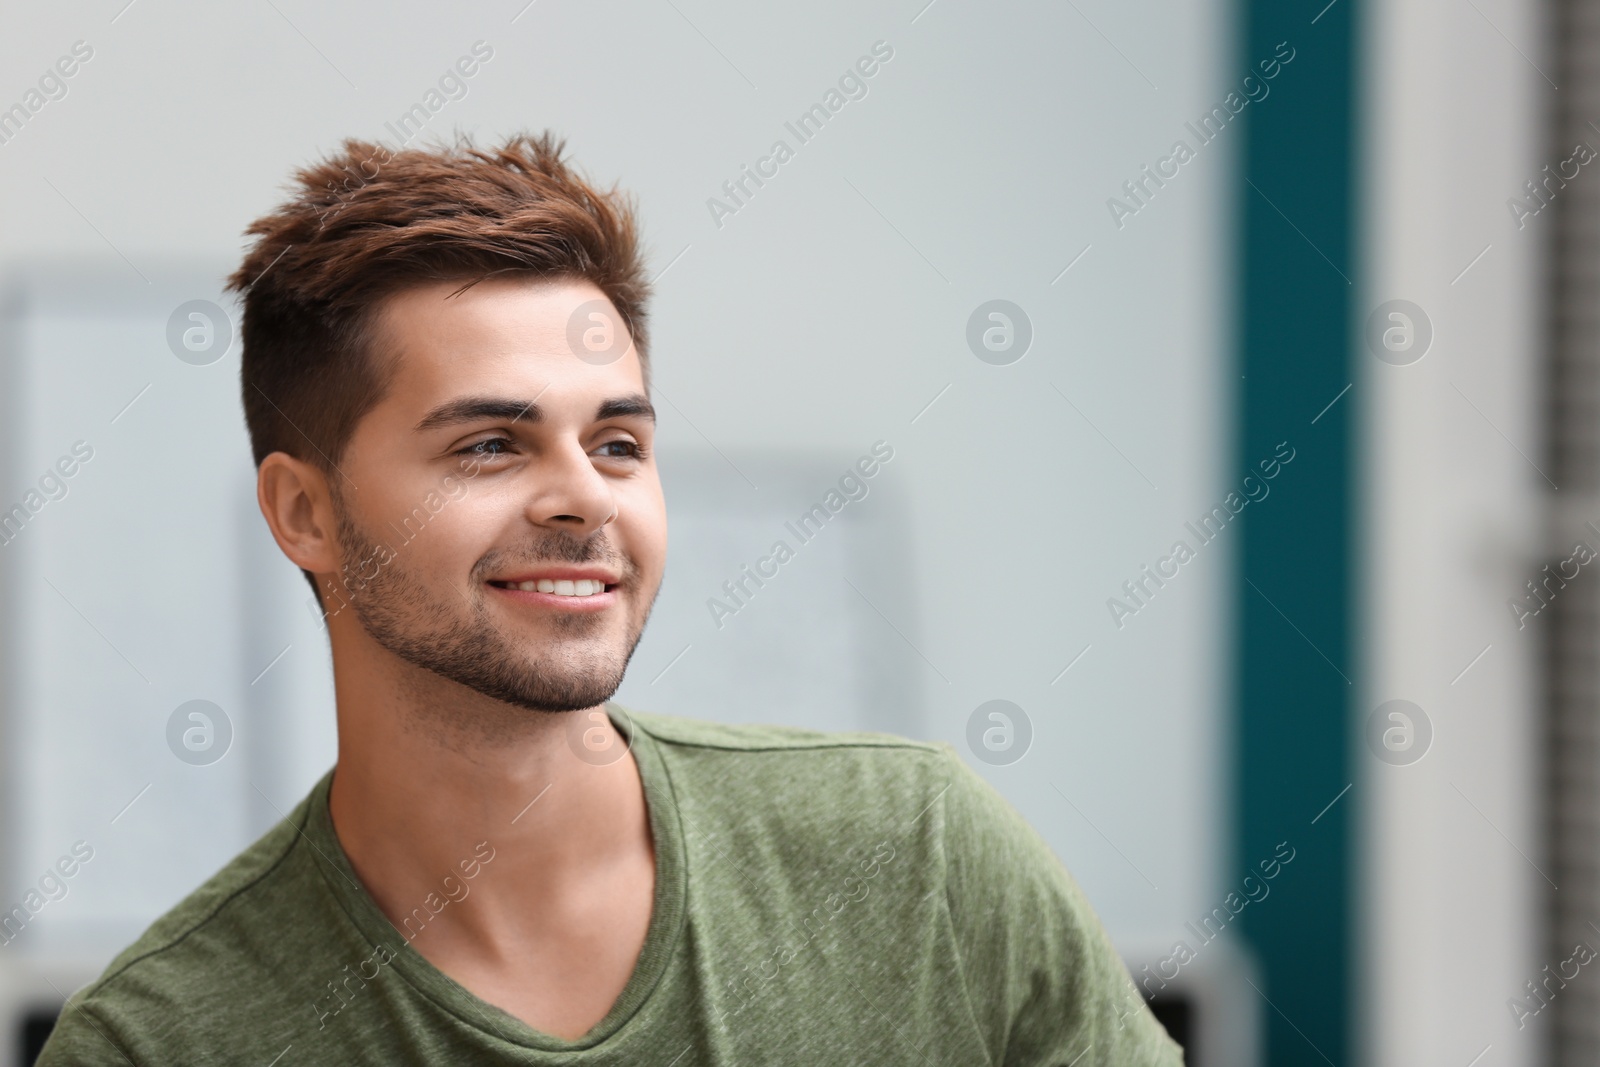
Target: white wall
{"x":823,"y":316}
{"x":1453,"y":518}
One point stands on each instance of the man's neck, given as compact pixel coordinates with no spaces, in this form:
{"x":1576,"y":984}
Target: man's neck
{"x":420,"y":792}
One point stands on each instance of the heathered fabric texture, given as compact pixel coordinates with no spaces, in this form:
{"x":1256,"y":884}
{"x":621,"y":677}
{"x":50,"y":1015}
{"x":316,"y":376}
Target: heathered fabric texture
{"x":821,"y":899}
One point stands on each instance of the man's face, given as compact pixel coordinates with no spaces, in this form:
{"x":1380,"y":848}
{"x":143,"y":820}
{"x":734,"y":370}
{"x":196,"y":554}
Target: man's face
{"x":499,"y":512}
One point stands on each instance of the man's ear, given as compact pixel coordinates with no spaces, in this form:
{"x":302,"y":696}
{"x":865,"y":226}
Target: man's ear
{"x":296,"y":502}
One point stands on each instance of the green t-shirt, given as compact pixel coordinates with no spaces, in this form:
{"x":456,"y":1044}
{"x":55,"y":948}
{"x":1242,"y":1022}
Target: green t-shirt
{"x":821,"y":898}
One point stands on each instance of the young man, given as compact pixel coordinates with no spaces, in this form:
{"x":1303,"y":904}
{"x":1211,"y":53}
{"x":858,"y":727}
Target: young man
{"x":446,"y":381}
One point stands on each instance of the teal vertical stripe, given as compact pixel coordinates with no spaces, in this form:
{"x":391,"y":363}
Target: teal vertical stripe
{"x":1294,"y":659}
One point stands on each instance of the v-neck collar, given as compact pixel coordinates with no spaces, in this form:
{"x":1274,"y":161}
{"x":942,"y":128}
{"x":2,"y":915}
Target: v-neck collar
{"x":661,"y":938}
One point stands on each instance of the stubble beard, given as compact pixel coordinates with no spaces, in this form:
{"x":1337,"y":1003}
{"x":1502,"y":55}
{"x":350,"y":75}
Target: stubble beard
{"x":458,"y":639}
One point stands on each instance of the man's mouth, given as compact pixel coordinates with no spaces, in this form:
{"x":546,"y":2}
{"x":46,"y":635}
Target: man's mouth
{"x":579,"y":587}
{"x":562,"y":586}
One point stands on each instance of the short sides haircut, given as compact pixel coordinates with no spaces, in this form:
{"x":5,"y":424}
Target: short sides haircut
{"x":366,"y":223}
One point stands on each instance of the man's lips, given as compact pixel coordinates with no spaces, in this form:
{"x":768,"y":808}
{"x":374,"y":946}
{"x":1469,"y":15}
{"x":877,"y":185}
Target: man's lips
{"x":559,"y":573}
{"x":593,"y":602}
{"x":573,"y":589}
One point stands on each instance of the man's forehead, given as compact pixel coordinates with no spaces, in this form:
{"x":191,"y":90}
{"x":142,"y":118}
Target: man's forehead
{"x":502,"y":340}
{"x":495,"y":311}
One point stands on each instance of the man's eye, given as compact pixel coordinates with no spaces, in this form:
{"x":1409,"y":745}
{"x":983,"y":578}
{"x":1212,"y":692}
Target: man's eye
{"x":494,"y":446}
{"x":630,"y":450}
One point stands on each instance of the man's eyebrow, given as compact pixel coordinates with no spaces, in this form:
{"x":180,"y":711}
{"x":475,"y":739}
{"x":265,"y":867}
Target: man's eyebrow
{"x":504,"y":409}
{"x":480,"y":409}
{"x":619,"y":406}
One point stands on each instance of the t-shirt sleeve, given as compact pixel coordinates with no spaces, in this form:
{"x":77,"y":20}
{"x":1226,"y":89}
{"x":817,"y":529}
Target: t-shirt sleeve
{"x":1041,"y":975}
{"x":80,"y":1040}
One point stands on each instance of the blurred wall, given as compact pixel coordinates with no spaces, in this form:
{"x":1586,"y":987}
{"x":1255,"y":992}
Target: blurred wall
{"x":829,"y":311}
{"x":1454,"y":505}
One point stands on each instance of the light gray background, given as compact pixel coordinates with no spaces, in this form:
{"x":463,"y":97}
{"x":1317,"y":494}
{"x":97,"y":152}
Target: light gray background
{"x":824,"y":316}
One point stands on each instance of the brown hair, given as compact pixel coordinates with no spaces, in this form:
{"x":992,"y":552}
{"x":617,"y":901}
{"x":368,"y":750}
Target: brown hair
{"x":366,"y":223}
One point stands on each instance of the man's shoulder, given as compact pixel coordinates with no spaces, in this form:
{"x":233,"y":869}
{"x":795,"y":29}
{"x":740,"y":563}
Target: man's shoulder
{"x":242,"y":891}
{"x":225,"y":938}
{"x":781,"y":758}
{"x":797,"y":784}
{"x":688,"y":733}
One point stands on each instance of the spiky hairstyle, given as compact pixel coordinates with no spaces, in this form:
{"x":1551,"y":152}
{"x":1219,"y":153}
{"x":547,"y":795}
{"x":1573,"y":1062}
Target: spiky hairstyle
{"x":366,"y":223}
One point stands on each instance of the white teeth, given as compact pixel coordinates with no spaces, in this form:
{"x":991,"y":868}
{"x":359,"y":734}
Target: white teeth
{"x":564,"y":587}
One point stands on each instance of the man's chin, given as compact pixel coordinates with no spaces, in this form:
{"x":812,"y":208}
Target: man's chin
{"x":543,"y":692}
{"x":570,"y":677}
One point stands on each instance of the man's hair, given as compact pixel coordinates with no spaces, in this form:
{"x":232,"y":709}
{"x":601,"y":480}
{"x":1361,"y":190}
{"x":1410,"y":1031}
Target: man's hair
{"x":366,"y":223}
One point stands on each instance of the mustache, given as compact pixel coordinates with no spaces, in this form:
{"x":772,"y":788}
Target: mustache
{"x":560,"y":548}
